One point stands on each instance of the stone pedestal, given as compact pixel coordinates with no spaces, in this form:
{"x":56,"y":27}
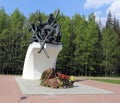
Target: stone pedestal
{"x":35,"y":63}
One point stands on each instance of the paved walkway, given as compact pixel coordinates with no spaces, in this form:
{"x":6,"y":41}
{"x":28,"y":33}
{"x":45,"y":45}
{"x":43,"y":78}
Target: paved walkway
{"x":33,"y":87}
{"x":11,"y":93}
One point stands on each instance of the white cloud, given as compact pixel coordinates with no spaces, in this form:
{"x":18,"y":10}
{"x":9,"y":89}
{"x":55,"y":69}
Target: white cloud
{"x":99,"y":17}
{"x":115,"y":9}
{"x":96,"y":4}
{"x":98,"y":13}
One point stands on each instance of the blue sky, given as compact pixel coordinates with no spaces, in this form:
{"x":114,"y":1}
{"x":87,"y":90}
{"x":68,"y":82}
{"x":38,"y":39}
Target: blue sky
{"x":67,"y":7}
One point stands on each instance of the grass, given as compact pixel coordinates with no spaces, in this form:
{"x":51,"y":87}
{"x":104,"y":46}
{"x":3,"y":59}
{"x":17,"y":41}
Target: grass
{"x":108,"y":81}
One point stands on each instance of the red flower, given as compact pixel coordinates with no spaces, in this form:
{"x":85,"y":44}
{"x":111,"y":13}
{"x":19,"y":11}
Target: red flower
{"x":63,"y":76}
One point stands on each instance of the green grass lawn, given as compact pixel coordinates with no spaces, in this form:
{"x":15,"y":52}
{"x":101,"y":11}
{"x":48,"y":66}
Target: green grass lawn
{"x":108,"y":81}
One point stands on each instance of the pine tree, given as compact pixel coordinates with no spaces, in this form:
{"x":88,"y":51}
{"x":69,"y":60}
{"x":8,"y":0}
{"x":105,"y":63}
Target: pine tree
{"x":4,"y":29}
{"x":14,"y":42}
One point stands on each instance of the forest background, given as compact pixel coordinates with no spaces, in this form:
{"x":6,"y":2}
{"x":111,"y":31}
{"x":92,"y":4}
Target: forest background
{"x":89,"y":48}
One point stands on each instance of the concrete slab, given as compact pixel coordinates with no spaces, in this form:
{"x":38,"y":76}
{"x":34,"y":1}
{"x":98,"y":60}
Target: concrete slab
{"x":33,"y":87}
{"x":35,"y":63}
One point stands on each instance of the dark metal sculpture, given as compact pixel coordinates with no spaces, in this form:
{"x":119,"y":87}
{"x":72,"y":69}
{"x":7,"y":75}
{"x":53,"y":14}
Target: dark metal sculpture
{"x":48,"y":32}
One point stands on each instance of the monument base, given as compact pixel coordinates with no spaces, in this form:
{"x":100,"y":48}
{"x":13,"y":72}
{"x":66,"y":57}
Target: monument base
{"x":35,"y":63}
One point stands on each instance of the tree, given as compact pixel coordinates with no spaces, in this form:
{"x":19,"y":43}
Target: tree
{"x":79,"y":23}
{"x":88,"y":49}
{"x":4,"y":20}
{"x":12,"y":40}
{"x":110,"y":45}
{"x":4,"y":29}
{"x":64,"y":57}
{"x":97,"y":54}
{"x":37,"y":15}
{"x":110,"y":50}
{"x":109,"y":22}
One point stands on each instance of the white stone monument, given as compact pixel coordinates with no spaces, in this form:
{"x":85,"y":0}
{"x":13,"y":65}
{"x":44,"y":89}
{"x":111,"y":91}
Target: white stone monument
{"x":35,"y":63}
{"x":46,"y":41}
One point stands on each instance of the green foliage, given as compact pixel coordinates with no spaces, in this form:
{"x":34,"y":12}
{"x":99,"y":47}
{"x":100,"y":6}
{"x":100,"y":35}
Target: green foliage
{"x":12,"y":43}
{"x":88,"y":49}
{"x":108,"y":81}
{"x":34,"y":17}
{"x":110,"y":45}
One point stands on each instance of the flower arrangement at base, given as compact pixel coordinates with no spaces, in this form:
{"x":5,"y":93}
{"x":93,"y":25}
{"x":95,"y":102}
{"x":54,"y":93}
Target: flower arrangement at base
{"x":56,"y":80}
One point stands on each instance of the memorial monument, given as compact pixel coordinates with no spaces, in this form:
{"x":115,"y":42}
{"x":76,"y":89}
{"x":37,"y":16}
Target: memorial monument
{"x":43,"y":51}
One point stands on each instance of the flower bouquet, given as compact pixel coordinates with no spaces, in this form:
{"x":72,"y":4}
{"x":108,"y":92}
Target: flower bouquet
{"x":56,"y":80}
